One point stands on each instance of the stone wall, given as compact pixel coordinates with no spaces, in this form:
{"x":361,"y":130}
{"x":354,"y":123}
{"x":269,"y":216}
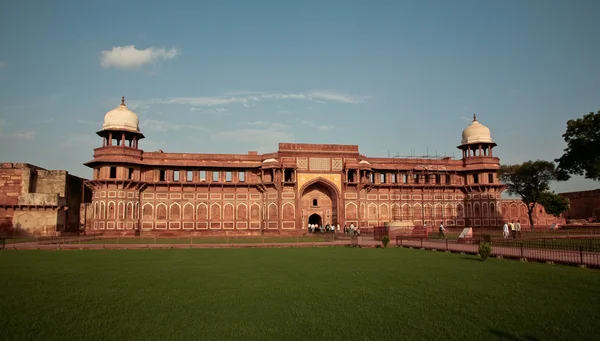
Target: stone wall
{"x":583,"y":204}
{"x":36,"y":201}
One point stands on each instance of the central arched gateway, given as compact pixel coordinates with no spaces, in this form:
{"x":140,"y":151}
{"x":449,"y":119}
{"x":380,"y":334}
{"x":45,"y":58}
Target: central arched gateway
{"x":319,"y":201}
{"x":315,"y":219}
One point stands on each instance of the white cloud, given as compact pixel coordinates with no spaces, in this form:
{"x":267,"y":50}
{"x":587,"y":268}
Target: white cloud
{"x":3,"y":64}
{"x":96,"y":123}
{"x":81,"y":141}
{"x":317,"y":126}
{"x":128,"y":57}
{"x":334,"y":96}
{"x":263,"y":134}
{"x":158,"y":125}
{"x":46,"y":121}
{"x":23,"y":134}
{"x":252,"y":98}
{"x":19,"y":134}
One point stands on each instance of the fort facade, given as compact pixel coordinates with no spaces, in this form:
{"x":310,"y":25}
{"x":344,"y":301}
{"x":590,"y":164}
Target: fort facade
{"x":297,"y":185}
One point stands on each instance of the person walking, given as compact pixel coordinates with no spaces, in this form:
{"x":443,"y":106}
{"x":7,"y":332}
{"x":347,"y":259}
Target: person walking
{"x":442,"y":229}
{"x":518,"y":228}
{"x":511,"y":225}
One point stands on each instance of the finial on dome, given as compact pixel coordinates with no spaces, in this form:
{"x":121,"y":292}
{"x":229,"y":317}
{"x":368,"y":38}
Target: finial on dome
{"x":474,"y":118}
{"x":122,"y":100}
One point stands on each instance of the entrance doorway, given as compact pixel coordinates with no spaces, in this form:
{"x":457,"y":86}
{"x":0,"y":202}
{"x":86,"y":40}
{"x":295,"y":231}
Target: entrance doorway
{"x":315,"y":219}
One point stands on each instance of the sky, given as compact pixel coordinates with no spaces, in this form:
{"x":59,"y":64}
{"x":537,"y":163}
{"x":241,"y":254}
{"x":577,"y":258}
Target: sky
{"x":393,"y":77}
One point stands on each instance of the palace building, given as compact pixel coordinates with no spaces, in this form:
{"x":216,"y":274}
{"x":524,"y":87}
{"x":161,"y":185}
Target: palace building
{"x":137,"y":190}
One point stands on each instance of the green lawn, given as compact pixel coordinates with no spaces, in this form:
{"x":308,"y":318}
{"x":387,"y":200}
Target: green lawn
{"x":336,"y":293}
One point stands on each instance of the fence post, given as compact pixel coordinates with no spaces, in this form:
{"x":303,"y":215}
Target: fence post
{"x":522,"y":250}
{"x":421,"y":243}
{"x":580,"y":254}
{"x":446,"y":244}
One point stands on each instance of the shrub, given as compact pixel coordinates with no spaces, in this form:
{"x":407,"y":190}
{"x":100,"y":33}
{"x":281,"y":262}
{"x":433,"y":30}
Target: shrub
{"x":487,"y":238}
{"x":485,"y":250}
{"x":385,"y":241}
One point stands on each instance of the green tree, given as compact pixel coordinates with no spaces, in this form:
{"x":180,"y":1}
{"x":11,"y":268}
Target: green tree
{"x":554,"y":203}
{"x":582,"y":155}
{"x":529,"y":180}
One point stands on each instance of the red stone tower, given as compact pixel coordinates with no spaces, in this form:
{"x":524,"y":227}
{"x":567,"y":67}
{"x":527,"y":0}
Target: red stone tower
{"x":116,"y":179}
{"x":480,"y":170}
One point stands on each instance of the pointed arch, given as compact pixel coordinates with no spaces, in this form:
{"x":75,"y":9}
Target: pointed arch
{"x":215,"y":211}
{"x":174,"y":211}
{"x":228,"y":212}
{"x":351,"y":211}
{"x":396,"y":211}
{"x":255,"y":211}
{"x":406,"y":212}
{"x":514,"y":211}
{"x":492,"y":210}
{"x":272,"y":211}
{"x":327,"y":183}
{"x":384,"y":211}
{"x":129,"y":210}
{"x":460,"y":210}
{"x":121,"y":210}
{"x":428,"y":211}
{"x":288,"y":211}
{"x":476,"y":210}
{"x":147,"y":211}
{"x":188,"y":211}
{"x":161,"y":211}
{"x":438,"y":211}
{"x":484,"y":210}
{"x":242,"y":211}
{"x":201,"y":212}
{"x":372,"y":211}
{"x":111,"y":210}
{"x":417,"y":211}
{"x":102,"y":210}
{"x":449,"y":212}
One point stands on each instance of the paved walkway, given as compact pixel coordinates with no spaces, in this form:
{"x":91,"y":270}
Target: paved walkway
{"x":548,"y":255}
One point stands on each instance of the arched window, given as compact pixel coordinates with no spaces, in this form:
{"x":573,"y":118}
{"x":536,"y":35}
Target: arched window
{"x":315,"y":202}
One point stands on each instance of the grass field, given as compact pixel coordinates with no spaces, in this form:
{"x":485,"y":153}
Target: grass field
{"x":336,"y":293}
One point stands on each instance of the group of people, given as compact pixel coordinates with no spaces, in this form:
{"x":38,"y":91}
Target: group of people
{"x":313,"y":228}
{"x":511,"y":228}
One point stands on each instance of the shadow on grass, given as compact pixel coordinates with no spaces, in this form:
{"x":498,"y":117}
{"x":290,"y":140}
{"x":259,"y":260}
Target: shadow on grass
{"x":507,"y":336}
{"x":475,"y":258}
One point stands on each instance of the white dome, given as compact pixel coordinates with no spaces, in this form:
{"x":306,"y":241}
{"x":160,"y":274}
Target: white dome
{"x":364,"y":162}
{"x":269,"y":160}
{"x":476,"y":133}
{"x":121,"y":118}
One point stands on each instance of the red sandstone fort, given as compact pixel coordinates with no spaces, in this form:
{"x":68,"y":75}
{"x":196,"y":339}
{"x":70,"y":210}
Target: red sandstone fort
{"x":299,"y":184}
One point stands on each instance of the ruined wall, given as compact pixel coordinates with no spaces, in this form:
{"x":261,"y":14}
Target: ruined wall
{"x":77,"y":194}
{"x":583,"y":204}
{"x":516,"y":210}
{"x":37,"y":201}
{"x":10,"y":184}
{"x":38,"y":222}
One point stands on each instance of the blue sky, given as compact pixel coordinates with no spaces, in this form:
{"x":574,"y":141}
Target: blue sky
{"x":233,"y":76}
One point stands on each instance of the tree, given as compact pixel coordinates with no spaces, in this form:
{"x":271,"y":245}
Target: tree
{"x":554,"y":203}
{"x":529,"y":180}
{"x":582,"y":155}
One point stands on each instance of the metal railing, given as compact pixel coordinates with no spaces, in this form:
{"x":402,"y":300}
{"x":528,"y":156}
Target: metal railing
{"x":581,"y":251}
